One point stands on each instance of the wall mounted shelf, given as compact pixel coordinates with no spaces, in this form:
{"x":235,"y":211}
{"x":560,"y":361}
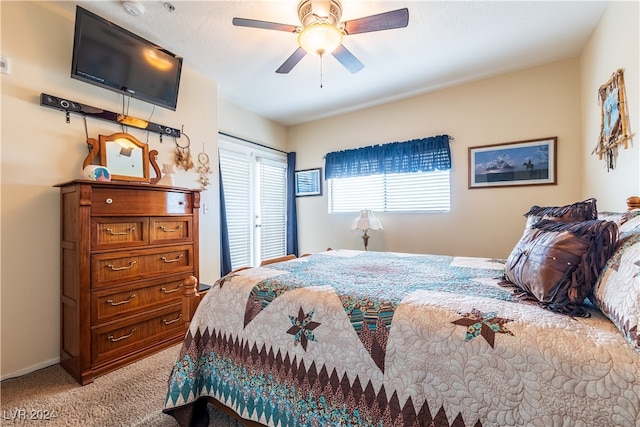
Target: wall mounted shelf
{"x":69,"y":107}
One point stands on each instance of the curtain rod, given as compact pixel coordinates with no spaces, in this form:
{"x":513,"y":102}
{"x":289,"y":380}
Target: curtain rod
{"x":251,"y":142}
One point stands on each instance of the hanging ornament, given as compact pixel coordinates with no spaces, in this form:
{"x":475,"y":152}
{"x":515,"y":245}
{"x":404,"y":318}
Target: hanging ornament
{"x":183,"y":154}
{"x":613,"y":120}
{"x":204,"y":169}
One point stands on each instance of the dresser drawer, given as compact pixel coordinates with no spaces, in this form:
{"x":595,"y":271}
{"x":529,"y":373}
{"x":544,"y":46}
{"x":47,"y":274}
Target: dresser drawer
{"x":136,"y":333}
{"x":127,"y":300}
{"x":113,"y":268}
{"x":111,"y":233}
{"x":118,"y":201}
{"x":170,"y":230}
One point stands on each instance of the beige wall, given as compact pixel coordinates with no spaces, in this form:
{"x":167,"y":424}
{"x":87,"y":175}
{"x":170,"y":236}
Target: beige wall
{"x":613,"y":45}
{"x":534,"y":103}
{"x":241,"y":123}
{"x":40,"y":150}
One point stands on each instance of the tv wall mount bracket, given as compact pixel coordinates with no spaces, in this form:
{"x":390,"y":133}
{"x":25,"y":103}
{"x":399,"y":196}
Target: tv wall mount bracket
{"x":69,"y":107}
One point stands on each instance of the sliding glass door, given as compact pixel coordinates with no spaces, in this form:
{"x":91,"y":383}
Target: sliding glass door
{"x":255,"y":190}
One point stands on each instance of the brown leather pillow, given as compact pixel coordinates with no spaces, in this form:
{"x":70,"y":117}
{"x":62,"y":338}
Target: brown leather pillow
{"x":557,"y":263}
{"x":575,"y":212}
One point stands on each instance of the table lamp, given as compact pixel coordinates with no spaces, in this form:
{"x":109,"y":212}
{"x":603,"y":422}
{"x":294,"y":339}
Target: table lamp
{"x":365,"y":222}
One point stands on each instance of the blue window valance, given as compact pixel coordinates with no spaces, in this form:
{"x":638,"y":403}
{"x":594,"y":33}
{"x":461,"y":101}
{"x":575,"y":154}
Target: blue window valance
{"x":418,"y":155}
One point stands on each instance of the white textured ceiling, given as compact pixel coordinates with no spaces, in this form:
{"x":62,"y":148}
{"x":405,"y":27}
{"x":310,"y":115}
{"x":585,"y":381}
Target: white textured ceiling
{"x":445,"y":43}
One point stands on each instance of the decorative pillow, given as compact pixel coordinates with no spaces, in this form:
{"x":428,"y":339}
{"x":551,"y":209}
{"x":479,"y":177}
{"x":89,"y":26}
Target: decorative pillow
{"x":557,"y":264}
{"x":626,"y":220}
{"x":617,"y":291}
{"x":576,"y":212}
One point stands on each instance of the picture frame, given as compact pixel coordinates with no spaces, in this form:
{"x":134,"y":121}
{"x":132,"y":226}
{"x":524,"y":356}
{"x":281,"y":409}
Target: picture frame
{"x":308,"y":182}
{"x":613,"y":119}
{"x":520,"y":163}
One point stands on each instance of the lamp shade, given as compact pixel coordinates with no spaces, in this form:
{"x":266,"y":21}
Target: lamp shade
{"x":366,"y":221}
{"x":320,"y":38}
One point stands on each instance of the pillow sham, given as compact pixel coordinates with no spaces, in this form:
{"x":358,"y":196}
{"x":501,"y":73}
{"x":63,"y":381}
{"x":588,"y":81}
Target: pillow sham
{"x":556,"y":264}
{"x":626,"y":221}
{"x":617,"y":291}
{"x":575,"y":212}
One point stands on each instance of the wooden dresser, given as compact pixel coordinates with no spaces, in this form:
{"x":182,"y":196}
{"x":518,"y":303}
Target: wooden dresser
{"x":126,"y":252}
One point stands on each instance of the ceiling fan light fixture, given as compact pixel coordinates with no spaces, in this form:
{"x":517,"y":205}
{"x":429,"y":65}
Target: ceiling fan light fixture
{"x":320,"y":38}
{"x":322,"y":31}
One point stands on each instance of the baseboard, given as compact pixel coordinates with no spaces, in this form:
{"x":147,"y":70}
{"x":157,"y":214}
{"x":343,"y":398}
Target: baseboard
{"x":30,"y":369}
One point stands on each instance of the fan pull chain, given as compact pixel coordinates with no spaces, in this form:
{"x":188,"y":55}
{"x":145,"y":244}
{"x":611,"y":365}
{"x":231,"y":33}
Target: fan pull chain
{"x":321,"y":56}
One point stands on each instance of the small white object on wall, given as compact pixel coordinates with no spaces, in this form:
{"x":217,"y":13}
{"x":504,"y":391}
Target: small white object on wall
{"x":5,"y":65}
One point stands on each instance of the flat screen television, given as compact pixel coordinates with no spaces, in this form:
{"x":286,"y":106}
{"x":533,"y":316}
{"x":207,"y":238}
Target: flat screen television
{"x":109,"y":56}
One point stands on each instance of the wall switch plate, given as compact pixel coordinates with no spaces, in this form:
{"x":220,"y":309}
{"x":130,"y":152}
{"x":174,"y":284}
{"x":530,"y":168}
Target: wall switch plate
{"x":5,"y":65}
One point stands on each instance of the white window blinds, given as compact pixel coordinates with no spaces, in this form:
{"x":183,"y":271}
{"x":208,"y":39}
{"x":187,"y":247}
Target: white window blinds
{"x":237,"y":177}
{"x":255,"y":190}
{"x":273,"y":200}
{"x":402,"y":192}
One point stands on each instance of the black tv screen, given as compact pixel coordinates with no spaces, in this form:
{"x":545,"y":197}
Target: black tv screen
{"x":109,"y":56}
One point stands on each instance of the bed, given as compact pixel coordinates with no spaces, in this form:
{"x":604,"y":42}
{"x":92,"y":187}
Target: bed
{"x":353,"y":338}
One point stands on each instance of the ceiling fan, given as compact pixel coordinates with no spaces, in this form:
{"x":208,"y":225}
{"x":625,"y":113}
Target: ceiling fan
{"x":321,"y":31}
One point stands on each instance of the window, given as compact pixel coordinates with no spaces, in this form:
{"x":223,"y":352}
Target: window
{"x":410,"y":176}
{"x":400,"y":192}
{"x":255,"y":188}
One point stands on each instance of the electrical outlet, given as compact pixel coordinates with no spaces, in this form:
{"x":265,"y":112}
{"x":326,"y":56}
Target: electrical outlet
{"x":5,"y":65}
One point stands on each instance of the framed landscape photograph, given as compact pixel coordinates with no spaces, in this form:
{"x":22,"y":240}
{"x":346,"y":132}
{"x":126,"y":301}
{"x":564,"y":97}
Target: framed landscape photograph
{"x":531,"y":162}
{"x":309,"y":182}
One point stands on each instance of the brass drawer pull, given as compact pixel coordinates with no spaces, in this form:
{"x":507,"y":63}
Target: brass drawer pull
{"x":163,"y":228}
{"x":112,"y":268}
{"x":164,"y":258}
{"x":168,"y":322}
{"x":123,"y":233}
{"x":167,"y":291}
{"x":124,"y":337}
{"x":110,"y":301}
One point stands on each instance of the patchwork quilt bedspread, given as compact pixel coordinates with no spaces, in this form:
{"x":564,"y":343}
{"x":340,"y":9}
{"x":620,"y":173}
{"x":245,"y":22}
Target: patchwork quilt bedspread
{"x":351,"y":338}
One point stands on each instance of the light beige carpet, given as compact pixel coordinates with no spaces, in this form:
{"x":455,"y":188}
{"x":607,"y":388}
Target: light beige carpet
{"x":131,"y":396}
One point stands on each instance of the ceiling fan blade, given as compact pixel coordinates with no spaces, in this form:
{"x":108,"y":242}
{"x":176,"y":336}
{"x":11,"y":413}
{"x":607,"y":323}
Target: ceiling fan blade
{"x":291,"y":61}
{"x":347,"y":59}
{"x":266,"y":25}
{"x":382,"y":21}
